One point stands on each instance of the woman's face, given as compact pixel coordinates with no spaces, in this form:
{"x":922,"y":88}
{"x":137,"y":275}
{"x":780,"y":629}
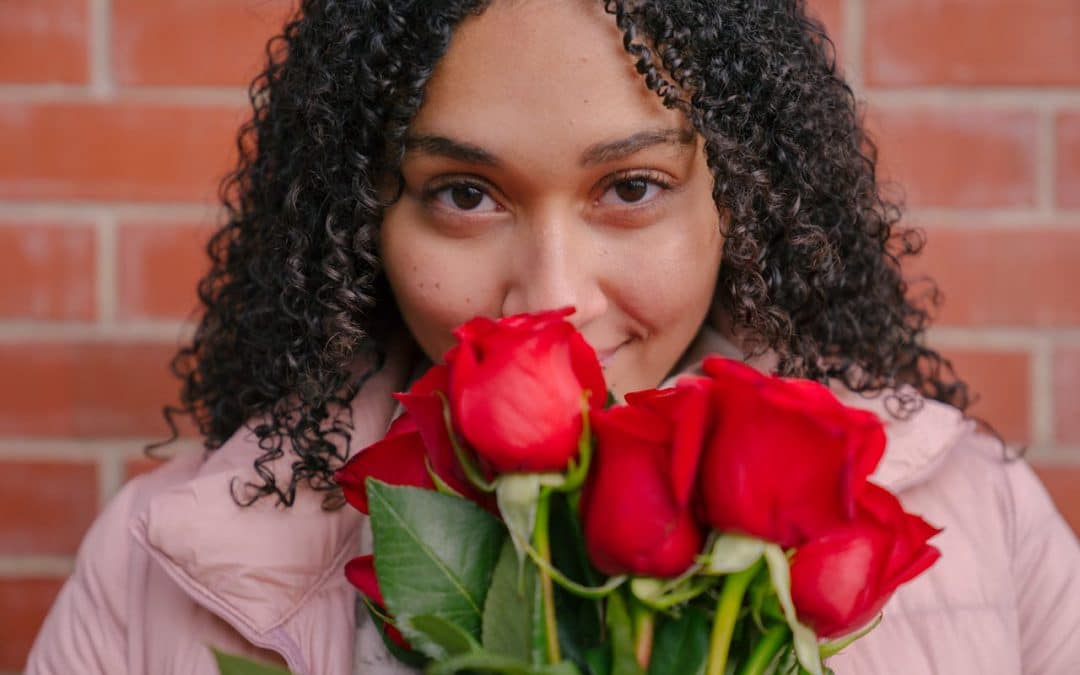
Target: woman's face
{"x":540,"y":172}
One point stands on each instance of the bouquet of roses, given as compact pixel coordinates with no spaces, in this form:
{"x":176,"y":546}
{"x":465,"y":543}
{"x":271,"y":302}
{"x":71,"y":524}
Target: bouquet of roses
{"x":524,"y":523}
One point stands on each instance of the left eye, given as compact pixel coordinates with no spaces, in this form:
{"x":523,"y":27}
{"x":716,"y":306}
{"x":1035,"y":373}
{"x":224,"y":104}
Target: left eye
{"x":631,"y":191}
{"x":465,"y":197}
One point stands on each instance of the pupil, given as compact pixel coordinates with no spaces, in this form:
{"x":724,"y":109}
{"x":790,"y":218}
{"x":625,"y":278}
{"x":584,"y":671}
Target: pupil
{"x":466,"y":197}
{"x":631,"y":190}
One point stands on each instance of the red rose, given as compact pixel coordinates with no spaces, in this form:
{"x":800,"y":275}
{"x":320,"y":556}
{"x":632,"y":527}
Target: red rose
{"x":635,"y":507}
{"x":842,"y":579}
{"x":516,"y":389}
{"x":786,"y":460}
{"x":416,"y":440}
{"x":398,"y":459}
{"x":361,"y":573}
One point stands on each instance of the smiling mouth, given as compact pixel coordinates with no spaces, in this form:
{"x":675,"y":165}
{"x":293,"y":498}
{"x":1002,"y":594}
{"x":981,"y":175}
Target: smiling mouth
{"x":605,"y":356}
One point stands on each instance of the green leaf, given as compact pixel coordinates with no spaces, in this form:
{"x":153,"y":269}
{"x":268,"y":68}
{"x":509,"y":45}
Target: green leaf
{"x":598,"y":660}
{"x":621,"y":635}
{"x":230,"y":664}
{"x":406,"y":656}
{"x":513,"y":611}
{"x":486,"y":662}
{"x":434,"y":555}
{"x":449,"y":636}
{"x":581,"y":619}
{"x":681,"y":644}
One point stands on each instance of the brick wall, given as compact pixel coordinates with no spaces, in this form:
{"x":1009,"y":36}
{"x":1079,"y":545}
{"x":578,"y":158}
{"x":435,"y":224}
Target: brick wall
{"x":117,"y":117}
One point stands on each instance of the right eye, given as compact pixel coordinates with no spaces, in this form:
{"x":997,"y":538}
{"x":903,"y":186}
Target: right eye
{"x":467,"y":197}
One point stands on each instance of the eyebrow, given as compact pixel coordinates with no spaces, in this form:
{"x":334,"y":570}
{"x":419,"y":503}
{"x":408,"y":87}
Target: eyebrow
{"x":625,"y":147}
{"x":599,"y":153}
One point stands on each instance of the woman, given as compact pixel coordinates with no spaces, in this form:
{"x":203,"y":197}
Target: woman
{"x":412,"y":164}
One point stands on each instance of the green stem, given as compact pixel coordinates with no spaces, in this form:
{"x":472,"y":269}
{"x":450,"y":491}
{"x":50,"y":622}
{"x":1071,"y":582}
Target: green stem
{"x":543,"y":548}
{"x":644,"y":628}
{"x":765,"y":650}
{"x":727,"y":613}
{"x":590,"y":592}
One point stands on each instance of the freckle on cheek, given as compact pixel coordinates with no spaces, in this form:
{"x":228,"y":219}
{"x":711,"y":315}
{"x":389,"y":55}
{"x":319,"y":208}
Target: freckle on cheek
{"x":437,"y":286}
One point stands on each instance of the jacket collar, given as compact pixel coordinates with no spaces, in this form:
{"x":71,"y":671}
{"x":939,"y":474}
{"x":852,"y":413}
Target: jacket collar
{"x":255,"y":565}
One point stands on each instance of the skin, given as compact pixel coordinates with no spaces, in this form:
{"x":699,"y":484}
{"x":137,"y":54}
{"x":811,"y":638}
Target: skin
{"x":541,"y":173}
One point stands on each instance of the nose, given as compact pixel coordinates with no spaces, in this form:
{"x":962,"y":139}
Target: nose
{"x":556,"y":263}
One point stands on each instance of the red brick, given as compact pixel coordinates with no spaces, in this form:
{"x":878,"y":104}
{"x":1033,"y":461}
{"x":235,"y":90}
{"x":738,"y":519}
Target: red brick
{"x":1023,"y":277}
{"x":159,"y":267}
{"x":1067,"y":146}
{"x":46,"y":507}
{"x":86,"y":389}
{"x":26,"y":601}
{"x":1001,"y":381}
{"x":44,"y":41}
{"x":961,"y":42}
{"x":121,"y":151}
{"x":1063,"y":483}
{"x":831,"y":12}
{"x":154,"y":42}
{"x":968,"y":158}
{"x":46,"y":271}
{"x":1067,"y":396}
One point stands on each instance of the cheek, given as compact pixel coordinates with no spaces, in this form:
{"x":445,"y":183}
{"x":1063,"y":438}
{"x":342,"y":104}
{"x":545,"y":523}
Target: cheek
{"x":667,"y":289}
{"x":671,"y":278}
{"x":437,"y":284}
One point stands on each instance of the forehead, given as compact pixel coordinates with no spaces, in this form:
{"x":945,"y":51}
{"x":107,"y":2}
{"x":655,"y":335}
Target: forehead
{"x":539,"y":76}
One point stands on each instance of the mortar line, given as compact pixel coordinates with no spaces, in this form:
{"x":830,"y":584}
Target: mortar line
{"x":35,"y":565}
{"x":75,"y":450}
{"x":101,"y":80}
{"x":853,"y":32}
{"x":106,"y":269}
{"x":984,"y":219}
{"x":102,"y":88}
{"x":1045,"y":155}
{"x":1042,"y":393}
{"x":161,"y":332}
{"x":1006,"y":338}
{"x":993,"y":98}
{"x":136,"y":211}
{"x":110,"y":477}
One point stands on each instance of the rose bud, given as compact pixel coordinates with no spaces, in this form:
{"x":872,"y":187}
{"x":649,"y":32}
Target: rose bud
{"x":786,"y":461}
{"x":424,"y":403}
{"x":398,"y":459}
{"x":516,"y":388}
{"x":416,"y":444}
{"x":361,"y":573}
{"x":842,"y":579}
{"x":635,"y":507}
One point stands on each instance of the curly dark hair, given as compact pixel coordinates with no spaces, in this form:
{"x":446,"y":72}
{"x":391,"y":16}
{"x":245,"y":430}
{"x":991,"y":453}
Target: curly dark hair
{"x":295,"y":295}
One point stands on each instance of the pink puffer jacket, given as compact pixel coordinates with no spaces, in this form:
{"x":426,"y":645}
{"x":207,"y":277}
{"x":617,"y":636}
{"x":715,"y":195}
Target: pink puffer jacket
{"x":173,"y":566}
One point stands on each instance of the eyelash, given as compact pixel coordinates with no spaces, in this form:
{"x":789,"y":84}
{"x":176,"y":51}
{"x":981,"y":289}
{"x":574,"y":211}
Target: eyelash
{"x":653,"y":177}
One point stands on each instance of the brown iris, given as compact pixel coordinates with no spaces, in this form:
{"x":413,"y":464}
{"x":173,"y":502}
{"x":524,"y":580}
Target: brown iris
{"x":632,"y":190}
{"x":466,"y":197}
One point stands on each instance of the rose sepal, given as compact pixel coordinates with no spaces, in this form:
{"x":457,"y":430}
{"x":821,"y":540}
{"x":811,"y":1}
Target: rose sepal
{"x":832,"y":647}
{"x":804,"y":638}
